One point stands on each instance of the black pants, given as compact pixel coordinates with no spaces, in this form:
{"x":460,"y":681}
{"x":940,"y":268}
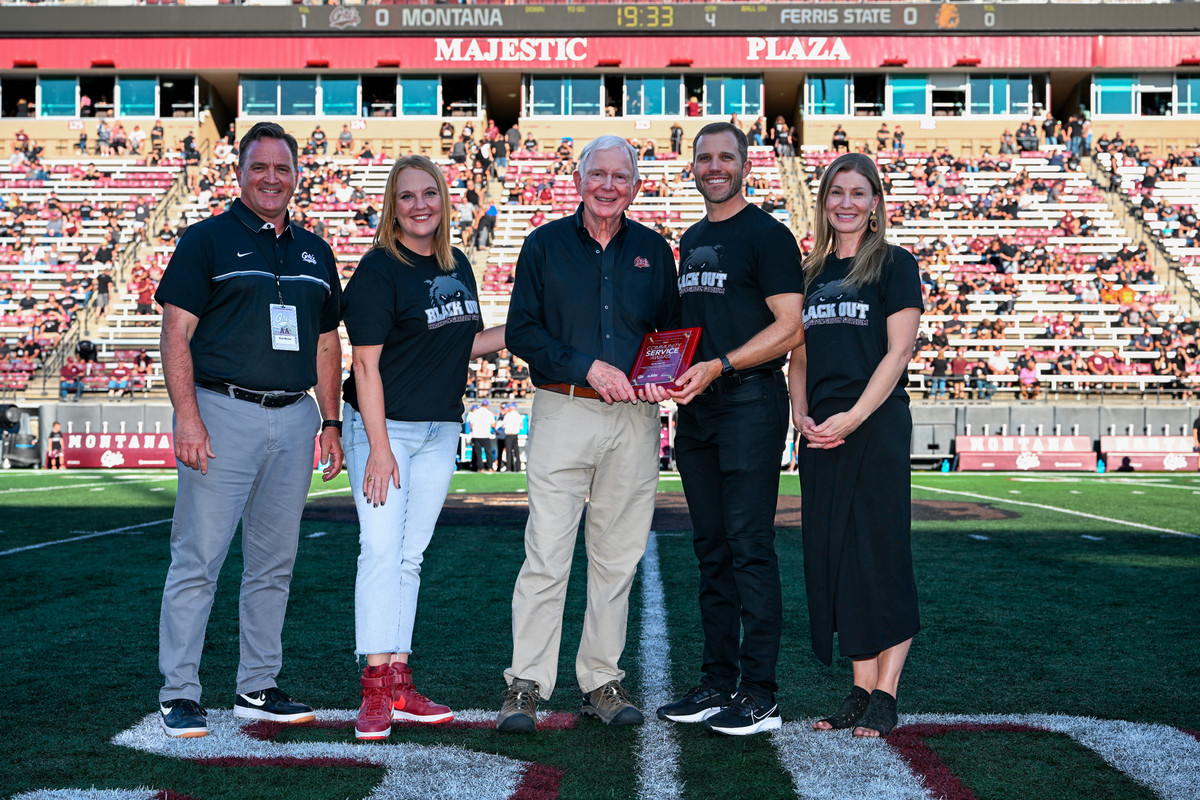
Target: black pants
{"x":728,"y":444}
{"x":501,"y":455}
{"x":481,"y":454}
{"x":513,"y":453}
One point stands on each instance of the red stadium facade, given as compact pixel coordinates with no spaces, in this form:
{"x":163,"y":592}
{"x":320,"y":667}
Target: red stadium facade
{"x":956,"y":74}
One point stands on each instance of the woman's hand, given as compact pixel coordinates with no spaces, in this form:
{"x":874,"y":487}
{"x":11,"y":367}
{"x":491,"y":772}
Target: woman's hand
{"x":382,"y":471}
{"x":832,"y":432}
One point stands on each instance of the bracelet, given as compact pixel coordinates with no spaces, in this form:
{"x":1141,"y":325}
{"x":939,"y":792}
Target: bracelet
{"x":331,"y":423}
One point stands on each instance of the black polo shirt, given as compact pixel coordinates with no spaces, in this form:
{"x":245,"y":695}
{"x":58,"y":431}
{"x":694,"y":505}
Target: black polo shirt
{"x":574,"y":302}
{"x":225,"y":271}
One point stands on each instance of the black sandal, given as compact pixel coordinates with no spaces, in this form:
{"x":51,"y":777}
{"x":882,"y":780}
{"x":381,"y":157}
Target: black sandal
{"x":853,"y":707}
{"x":880,"y":715}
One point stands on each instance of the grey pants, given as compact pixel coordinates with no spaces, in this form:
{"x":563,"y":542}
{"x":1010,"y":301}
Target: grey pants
{"x":260,"y":475}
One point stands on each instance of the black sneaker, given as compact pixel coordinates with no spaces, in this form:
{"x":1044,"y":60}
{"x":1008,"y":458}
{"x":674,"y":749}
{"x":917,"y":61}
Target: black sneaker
{"x":747,"y":714}
{"x":696,"y":706}
{"x":183,"y":719}
{"x":271,"y":704}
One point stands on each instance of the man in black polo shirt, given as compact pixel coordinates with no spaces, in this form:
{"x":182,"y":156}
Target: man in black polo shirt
{"x":740,"y":280}
{"x":250,"y":313}
{"x":588,"y":288}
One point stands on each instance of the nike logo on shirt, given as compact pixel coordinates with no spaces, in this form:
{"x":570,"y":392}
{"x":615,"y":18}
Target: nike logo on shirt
{"x":243,"y":255}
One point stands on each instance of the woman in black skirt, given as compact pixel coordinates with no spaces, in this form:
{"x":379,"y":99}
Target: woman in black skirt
{"x":862,"y":306}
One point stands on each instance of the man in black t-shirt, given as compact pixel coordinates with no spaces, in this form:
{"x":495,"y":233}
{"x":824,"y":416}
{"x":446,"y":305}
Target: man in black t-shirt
{"x":250,"y":315}
{"x":740,"y":281}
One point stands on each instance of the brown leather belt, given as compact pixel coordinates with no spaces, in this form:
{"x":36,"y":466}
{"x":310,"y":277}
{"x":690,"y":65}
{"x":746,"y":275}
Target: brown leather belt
{"x":572,"y":391}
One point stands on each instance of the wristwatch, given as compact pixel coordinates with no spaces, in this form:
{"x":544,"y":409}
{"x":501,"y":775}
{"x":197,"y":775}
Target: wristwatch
{"x":331,"y":423}
{"x":726,"y":367}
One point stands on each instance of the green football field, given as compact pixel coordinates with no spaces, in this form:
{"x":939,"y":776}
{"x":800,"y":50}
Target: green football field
{"x":1060,"y":655}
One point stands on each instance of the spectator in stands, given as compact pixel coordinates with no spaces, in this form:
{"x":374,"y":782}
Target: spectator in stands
{"x":143,"y":287}
{"x":1099,"y":364}
{"x":898,"y":140}
{"x":998,"y":363}
{"x":1050,"y":129}
{"x":513,"y":135}
{"x":400,"y":437}
{"x":499,"y":157}
{"x":118,"y":380}
{"x":366,"y":153}
{"x":137,"y":138}
{"x":103,"y":139}
{"x":120,"y":139}
{"x":531,"y":143}
{"x":754,"y":135}
{"x":143,"y":364}
{"x":1027,"y":137}
{"x":70,"y":379}
{"x":959,"y":367}
{"x":981,"y":387}
{"x":318,"y":138}
{"x":156,"y":136}
{"x":882,"y":138}
{"x":841,"y":140}
{"x":592,"y":430}
{"x":693,"y":106}
{"x":345,"y":145}
{"x":938,"y":372}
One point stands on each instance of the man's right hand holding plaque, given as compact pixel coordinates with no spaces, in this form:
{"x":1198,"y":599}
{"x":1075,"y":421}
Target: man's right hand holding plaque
{"x":665,"y":355}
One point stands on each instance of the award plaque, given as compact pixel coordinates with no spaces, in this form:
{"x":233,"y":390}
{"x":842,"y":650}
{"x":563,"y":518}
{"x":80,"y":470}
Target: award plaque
{"x":665,"y":355}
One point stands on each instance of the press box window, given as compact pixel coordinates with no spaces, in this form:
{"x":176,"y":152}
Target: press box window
{"x":136,"y":97}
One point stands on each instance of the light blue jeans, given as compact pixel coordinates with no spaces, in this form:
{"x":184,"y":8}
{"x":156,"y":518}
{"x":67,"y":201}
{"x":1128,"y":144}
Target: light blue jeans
{"x":393,"y":537}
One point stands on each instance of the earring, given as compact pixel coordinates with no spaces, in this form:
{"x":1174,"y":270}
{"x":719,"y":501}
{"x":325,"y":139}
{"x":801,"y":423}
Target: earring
{"x":874,"y":225}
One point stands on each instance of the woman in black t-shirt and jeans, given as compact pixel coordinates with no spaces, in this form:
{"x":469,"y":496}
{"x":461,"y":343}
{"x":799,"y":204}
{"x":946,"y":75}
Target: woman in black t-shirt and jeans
{"x":412,"y":313}
{"x":862,"y":307}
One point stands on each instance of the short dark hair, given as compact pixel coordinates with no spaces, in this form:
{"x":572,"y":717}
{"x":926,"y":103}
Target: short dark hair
{"x":743,"y":144}
{"x":267,"y":130}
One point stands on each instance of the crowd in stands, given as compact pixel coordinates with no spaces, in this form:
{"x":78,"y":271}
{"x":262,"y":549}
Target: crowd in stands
{"x":1014,"y":248}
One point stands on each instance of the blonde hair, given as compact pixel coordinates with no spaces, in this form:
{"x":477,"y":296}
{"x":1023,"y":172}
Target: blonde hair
{"x":873,"y":250}
{"x":389,"y":233}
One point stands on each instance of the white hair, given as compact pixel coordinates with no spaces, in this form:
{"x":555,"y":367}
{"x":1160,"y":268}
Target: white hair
{"x":607,"y":142}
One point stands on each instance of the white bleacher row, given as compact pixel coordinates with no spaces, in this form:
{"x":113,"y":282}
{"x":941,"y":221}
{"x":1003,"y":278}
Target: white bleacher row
{"x":1181,"y":191}
{"x":124,"y":183}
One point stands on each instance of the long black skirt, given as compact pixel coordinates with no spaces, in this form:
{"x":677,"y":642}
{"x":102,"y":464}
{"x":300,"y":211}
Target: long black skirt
{"x":856,"y":518}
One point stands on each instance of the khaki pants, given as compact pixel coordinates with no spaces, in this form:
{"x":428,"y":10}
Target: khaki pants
{"x":582,"y":450}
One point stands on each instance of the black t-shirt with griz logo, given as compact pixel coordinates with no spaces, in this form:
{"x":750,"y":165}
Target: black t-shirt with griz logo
{"x":426,"y":321}
{"x":727,"y":270}
{"x":845,"y":328}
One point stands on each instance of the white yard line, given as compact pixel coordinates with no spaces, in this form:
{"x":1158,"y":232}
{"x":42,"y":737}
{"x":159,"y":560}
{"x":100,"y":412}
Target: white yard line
{"x":92,"y":535}
{"x":1044,"y":507}
{"x":344,"y":490}
{"x":658,"y":751}
{"x":73,"y":486}
{"x":1145,"y":482}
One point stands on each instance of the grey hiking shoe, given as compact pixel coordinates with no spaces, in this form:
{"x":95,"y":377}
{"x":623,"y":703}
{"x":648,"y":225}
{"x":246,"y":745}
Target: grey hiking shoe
{"x":518,"y":714}
{"x":611,"y":705}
